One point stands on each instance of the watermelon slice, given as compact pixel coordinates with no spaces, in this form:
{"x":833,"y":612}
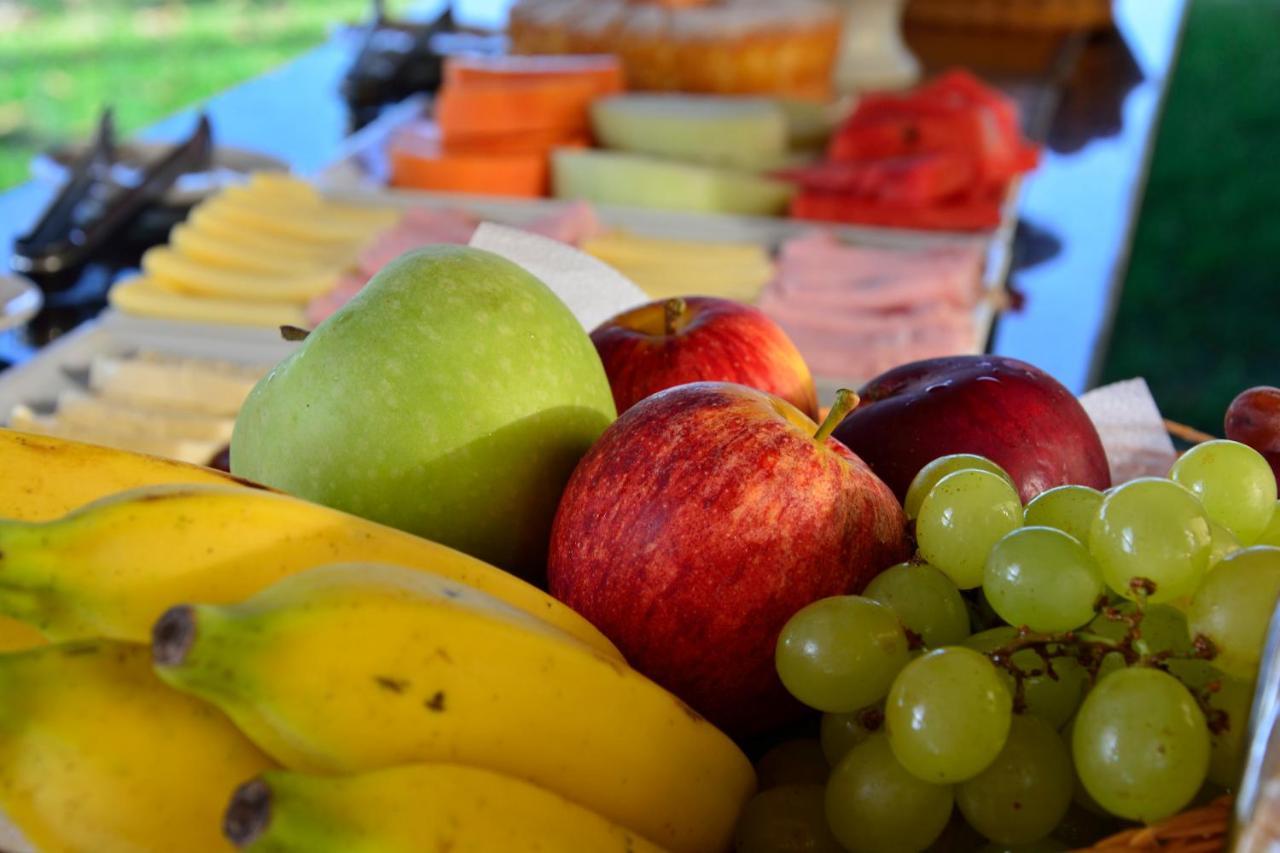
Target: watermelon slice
{"x":907,"y":181}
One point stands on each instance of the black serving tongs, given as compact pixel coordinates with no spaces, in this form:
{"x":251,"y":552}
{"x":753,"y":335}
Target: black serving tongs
{"x":90,"y":211}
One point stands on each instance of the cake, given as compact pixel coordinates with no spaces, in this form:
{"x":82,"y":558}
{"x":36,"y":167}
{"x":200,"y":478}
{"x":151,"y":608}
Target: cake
{"x":718,"y":46}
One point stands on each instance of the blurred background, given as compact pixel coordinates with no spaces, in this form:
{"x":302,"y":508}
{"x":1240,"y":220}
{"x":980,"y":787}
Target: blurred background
{"x":1198,"y":313}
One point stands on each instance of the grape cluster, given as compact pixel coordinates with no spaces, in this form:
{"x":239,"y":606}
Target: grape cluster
{"x":1091,"y":647}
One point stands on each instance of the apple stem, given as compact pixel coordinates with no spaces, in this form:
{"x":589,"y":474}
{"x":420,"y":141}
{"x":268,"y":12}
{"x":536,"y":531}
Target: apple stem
{"x":846,"y":402}
{"x":673,"y":310}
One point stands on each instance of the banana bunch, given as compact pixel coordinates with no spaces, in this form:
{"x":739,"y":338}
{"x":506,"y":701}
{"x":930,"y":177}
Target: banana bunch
{"x":326,"y":682}
{"x":413,"y":808}
{"x":97,"y":754}
{"x":110,"y":568}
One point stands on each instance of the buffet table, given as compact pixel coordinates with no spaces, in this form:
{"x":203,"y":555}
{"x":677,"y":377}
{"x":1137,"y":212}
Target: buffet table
{"x":1077,"y":212}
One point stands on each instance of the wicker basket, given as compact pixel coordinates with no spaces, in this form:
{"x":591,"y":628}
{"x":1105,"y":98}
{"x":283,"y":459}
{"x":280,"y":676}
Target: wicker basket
{"x":1202,"y":830}
{"x":1044,"y":16}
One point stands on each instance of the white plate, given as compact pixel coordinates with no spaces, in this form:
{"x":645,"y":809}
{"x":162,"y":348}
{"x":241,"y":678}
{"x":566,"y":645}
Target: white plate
{"x":20,"y":300}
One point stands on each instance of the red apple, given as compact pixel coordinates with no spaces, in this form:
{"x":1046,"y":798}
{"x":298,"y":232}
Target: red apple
{"x":1253,"y":418}
{"x":700,"y":339}
{"x":700,"y":522}
{"x":1014,"y":414}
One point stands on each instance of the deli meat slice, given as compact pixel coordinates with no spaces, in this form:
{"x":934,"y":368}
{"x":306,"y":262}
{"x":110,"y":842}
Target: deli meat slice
{"x":575,"y":224}
{"x":425,"y":226}
{"x":855,"y":311}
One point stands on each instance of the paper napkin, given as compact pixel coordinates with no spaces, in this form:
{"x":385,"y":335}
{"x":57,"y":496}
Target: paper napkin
{"x":1132,"y":430}
{"x":593,"y":290}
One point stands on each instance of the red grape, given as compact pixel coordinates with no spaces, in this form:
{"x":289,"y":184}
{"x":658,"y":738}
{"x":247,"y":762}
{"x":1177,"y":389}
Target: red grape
{"x":1253,"y":418}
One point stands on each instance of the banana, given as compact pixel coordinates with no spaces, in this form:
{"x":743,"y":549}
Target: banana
{"x":337,"y":670}
{"x":97,"y":755}
{"x":414,"y":808}
{"x":112,"y":568}
{"x":47,"y":477}
{"x":43,"y":477}
{"x":16,"y":636}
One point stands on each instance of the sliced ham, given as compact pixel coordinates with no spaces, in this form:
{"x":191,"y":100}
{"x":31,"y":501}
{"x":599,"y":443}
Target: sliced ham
{"x":574,"y":224}
{"x":855,"y":311}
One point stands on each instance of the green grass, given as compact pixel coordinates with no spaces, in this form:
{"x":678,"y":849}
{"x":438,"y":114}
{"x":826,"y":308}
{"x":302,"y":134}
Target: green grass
{"x":1200,"y":312}
{"x":64,"y":60}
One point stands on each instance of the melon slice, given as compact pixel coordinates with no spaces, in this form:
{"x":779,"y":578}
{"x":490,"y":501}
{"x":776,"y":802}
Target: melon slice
{"x":608,"y":177}
{"x":745,"y":133}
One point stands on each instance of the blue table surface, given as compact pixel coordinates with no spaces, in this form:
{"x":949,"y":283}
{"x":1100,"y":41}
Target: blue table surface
{"x":1085,"y":199}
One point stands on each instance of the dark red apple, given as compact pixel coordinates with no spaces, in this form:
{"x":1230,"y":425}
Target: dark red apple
{"x":1253,"y":418}
{"x":700,"y":522}
{"x":1014,"y":414}
{"x":700,"y":339}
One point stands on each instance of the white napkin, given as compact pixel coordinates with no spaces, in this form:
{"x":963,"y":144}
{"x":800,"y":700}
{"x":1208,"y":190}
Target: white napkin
{"x":1132,"y":430}
{"x":593,"y":290}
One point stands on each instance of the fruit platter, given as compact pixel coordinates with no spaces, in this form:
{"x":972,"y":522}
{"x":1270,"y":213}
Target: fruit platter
{"x":513,"y":556}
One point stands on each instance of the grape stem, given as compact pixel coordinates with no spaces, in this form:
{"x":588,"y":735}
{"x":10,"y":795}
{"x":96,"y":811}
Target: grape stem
{"x":1089,"y":650}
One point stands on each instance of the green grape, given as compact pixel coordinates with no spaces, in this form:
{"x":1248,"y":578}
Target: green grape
{"x":926,"y":601}
{"x":840,"y":733}
{"x":790,"y":819}
{"x":1271,"y":533}
{"x":1195,"y":674}
{"x":1141,"y":744}
{"x":1052,"y":700}
{"x":1226,"y":748}
{"x":1233,"y":481}
{"x":962,"y":518}
{"x":1221,"y":543}
{"x":793,"y":762}
{"x":841,"y":653}
{"x":948,"y":715}
{"x":1042,"y":578}
{"x":929,"y":475}
{"x":1155,"y":529}
{"x":875,"y":806}
{"x":1067,"y":508}
{"x":1234,"y":605}
{"x":1025,"y":792}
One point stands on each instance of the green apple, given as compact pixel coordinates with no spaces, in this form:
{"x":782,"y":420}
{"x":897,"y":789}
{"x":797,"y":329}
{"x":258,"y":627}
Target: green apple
{"x":451,"y":398}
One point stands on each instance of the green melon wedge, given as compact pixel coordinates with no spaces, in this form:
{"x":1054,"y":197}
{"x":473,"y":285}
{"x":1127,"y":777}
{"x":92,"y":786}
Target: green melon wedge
{"x":608,"y":177}
{"x":743,"y":133}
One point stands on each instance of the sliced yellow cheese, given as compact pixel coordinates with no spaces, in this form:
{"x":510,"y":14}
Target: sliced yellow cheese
{"x":177,"y":272}
{"x":225,"y":228}
{"x":210,"y":249}
{"x":352,"y":216}
{"x":174,"y":383}
{"x":623,"y":247}
{"x":663,"y":283}
{"x":311,"y":228}
{"x":284,"y":185}
{"x":184,"y":450}
{"x":80,"y":410}
{"x":144,"y":298}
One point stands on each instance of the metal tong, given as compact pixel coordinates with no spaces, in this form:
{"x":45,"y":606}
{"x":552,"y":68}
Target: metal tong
{"x":90,"y":210}
{"x":1257,"y":818}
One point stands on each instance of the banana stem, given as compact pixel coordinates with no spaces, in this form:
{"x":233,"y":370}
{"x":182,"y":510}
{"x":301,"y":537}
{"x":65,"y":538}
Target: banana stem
{"x":846,"y":402}
{"x":173,"y":635}
{"x":248,"y":814}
